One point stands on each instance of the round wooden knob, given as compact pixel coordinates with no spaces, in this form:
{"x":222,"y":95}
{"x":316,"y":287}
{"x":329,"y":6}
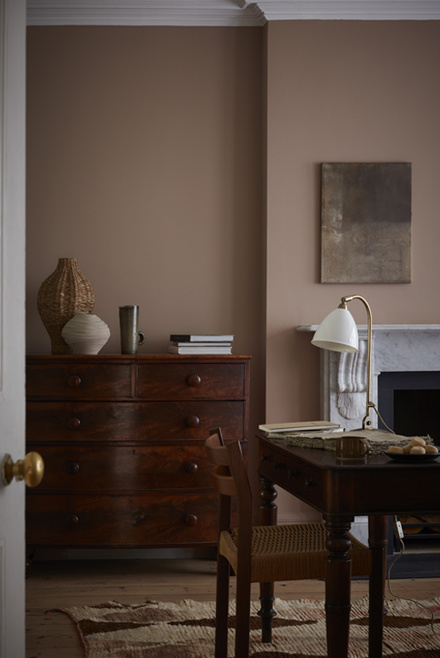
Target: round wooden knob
{"x":72,"y":520}
{"x":74,"y":381}
{"x":193,"y":380}
{"x":73,"y":423}
{"x":72,"y":468}
{"x":192,"y":421}
{"x":191,"y":467}
{"x":190,"y":520}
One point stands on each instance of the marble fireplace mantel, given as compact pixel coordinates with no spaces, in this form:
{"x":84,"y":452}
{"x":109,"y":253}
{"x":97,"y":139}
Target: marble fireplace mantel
{"x":395,"y":348}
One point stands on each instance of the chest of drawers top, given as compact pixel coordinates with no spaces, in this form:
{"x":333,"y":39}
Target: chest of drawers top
{"x":143,"y":377}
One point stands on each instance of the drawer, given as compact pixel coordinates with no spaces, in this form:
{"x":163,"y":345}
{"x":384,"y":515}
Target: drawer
{"x":125,"y":521}
{"x":78,"y":381}
{"x":133,"y":421}
{"x":93,"y":468}
{"x":299,"y":479}
{"x":191,"y":380}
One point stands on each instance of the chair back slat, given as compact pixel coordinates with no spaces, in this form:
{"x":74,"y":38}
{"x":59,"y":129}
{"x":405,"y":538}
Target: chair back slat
{"x":218,"y":455}
{"x":230,"y":476}
{"x":223,"y":483}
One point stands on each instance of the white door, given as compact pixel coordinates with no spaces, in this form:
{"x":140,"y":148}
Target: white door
{"x":12,"y":336}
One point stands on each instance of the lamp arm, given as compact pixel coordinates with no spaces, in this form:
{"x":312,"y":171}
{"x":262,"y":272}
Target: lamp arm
{"x":366,"y":423}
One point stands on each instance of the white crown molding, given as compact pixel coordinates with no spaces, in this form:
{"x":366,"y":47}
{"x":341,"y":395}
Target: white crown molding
{"x":222,"y":12}
{"x":349,"y":9}
{"x":143,"y":12}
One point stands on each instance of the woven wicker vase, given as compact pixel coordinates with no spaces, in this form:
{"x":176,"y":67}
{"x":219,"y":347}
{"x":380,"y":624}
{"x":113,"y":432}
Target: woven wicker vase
{"x":62,"y":295}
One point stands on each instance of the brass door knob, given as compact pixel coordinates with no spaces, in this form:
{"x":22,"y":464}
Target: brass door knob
{"x":30,"y":469}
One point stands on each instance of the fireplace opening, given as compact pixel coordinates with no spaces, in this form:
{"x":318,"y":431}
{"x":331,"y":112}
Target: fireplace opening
{"x":409,"y":403}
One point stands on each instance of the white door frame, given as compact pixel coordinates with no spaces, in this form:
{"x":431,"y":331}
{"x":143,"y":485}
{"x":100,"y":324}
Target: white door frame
{"x":12,"y":321}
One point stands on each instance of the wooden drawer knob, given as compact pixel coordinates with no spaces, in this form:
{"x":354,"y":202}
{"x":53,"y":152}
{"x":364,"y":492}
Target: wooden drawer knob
{"x":190,"y":520}
{"x":191,"y":467}
{"x":72,"y":520}
{"x":72,"y":468}
{"x":194,"y":380}
{"x":74,"y":381}
{"x":192,"y":421}
{"x":73,"y":423}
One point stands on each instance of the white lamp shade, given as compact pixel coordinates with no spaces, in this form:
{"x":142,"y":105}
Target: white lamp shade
{"x":337,"y":332}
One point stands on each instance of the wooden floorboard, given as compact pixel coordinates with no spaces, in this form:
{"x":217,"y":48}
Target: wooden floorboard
{"x":62,"y":584}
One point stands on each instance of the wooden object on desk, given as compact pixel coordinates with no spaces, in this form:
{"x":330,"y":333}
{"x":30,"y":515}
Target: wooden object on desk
{"x":122,"y":438}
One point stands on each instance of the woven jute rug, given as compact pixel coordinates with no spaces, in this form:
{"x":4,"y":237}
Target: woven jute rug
{"x":186,"y":630}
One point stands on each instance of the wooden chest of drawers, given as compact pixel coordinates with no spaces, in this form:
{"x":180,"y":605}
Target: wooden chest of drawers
{"x":122,"y":438}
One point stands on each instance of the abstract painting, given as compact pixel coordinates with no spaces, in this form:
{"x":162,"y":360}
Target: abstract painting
{"x":366,"y":222}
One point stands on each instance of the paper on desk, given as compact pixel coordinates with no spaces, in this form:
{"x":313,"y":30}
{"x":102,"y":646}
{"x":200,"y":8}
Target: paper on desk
{"x":379,"y":440}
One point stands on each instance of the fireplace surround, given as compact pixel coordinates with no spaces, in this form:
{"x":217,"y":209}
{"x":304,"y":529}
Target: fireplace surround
{"x":404,"y":352}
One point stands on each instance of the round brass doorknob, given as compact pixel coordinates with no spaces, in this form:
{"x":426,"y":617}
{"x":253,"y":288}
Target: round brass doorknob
{"x":30,"y":469}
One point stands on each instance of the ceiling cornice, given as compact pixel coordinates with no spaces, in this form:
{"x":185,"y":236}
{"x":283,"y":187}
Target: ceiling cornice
{"x":222,"y":12}
{"x":349,"y":9}
{"x":143,"y":12}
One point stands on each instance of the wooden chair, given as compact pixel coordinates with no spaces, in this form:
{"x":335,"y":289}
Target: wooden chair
{"x":260,"y":554}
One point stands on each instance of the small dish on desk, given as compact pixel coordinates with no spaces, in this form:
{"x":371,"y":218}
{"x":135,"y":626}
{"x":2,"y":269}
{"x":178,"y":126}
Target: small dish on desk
{"x":411,"y":458}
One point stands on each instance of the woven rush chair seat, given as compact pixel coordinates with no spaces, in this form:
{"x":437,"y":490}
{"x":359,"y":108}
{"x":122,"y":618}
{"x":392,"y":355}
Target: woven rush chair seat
{"x":260,"y":554}
{"x":290,"y":552}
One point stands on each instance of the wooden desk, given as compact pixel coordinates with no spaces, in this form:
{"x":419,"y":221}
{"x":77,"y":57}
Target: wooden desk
{"x":377,"y":488}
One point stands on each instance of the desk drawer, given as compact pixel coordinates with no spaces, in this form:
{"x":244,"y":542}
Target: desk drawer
{"x":138,"y":421}
{"x":95,"y":468}
{"x":124,"y":521}
{"x":191,"y":381}
{"x":299,"y":479}
{"x":78,"y":381}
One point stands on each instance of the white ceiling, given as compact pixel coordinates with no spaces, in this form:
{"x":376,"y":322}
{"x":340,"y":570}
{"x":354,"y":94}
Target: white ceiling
{"x":222,"y":12}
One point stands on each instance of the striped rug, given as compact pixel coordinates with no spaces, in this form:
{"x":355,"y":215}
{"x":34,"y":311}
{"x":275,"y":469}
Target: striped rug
{"x":186,"y":630}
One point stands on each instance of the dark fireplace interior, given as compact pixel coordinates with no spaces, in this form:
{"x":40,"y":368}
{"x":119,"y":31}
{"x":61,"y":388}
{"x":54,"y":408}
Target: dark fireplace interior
{"x":409,"y":403}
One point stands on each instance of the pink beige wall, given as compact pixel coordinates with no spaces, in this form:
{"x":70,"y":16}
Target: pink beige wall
{"x":144,"y":158}
{"x":343,"y":91}
{"x":146,"y":161}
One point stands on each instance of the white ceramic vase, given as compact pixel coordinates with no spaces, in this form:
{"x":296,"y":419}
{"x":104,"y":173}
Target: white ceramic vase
{"x":85,"y":333}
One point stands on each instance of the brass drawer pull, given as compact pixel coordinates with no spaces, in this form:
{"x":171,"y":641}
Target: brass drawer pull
{"x":194,"y":380}
{"x":73,"y":423}
{"x":190,"y":520}
{"x":192,"y":421}
{"x":74,"y":381}
{"x":191,"y":467}
{"x":72,"y":468}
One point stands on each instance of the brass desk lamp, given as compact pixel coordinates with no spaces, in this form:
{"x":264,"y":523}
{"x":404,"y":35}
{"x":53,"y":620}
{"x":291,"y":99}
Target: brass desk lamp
{"x":338,"y":332}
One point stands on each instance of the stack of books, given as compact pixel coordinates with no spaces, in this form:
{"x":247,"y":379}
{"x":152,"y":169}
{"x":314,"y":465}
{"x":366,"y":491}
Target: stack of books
{"x":201,"y":344}
{"x":280,"y":430}
{"x":310,"y":434}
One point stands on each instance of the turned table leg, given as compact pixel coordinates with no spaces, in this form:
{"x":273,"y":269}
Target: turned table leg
{"x":337,"y":587}
{"x":378,"y":542}
{"x":267,"y":515}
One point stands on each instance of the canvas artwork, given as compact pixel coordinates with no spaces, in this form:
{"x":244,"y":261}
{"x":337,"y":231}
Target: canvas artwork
{"x":366,"y":222}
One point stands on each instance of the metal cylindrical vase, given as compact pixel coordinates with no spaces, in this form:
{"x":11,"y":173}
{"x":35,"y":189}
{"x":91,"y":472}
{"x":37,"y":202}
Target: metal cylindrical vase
{"x":131,"y":337}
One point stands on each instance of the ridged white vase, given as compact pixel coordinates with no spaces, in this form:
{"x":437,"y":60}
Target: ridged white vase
{"x":85,"y":333}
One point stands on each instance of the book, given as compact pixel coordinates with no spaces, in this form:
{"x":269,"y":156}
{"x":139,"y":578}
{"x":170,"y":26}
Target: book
{"x":198,"y":349}
{"x":201,"y":338}
{"x":201,"y":344}
{"x":307,"y":426}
